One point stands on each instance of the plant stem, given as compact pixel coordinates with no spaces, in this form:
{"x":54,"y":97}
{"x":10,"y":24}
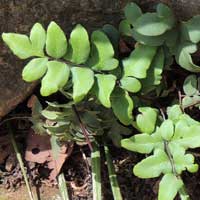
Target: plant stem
{"x":96,"y":172}
{"x":62,"y":187}
{"x":182,"y":191}
{"x":19,"y":158}
{"x":112,"y":175}
{"x":82,"y":126}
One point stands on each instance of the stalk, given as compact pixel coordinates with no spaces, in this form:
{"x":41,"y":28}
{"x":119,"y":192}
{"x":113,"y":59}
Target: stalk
{"x":112,"y":175}
{"x":21,"y":164}
{"x":96,"y":173}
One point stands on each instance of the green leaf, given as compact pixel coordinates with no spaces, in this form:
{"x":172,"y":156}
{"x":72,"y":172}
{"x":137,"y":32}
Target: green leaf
{"x":149,"y":40}
{"x":96,"y":173}
{"x":165,"y":13}
{"x":122,"y":106}
{"x":19,"y":44}
{"x":142,"y":143}
{"x":112,"y":175}
{"x":154,"y":72}
{"x":153,"y":166}
{"x":79,"y":47}
{"x":38,"y":38}
{"x":113,"y":35}
{"x":183,"y":57}
{"x":182,"y":161}
{"x":102,"y":52}
{"x":146,"y":121}
{"x":169,"y":187}
{"x":167,"y":129}
{"x":130,"y":84}
{"x":174,"y":112}
{"x":132,"y":12}
{"x":139,"y":61}
{"x":190,"y":137}
{"x":190,"y":85}
{"x":56,"y":42}
{"x":35,"y":69}
{"x":106,"y":84}
{"x":56,"y":77}
{"x":125,"y":28}
{"x":83,"y":80}
{"x":150,"y":24}
{"x":193,"y":29}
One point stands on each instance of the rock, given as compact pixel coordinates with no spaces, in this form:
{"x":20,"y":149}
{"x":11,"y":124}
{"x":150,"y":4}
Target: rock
{"x":19,"y":16}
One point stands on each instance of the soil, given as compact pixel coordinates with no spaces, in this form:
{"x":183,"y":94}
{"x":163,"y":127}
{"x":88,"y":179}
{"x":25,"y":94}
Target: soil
{"x":78,"y":176}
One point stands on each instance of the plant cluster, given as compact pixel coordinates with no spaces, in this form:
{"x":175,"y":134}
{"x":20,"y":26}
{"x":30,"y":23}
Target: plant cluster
{"x":102,"y":88}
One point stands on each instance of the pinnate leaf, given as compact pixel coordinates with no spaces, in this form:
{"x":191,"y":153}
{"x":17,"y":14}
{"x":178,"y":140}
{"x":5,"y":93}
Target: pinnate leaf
{"x":139,"y":61}
{"x":174,"y":113}
{"x":148,"y":40}
{"x":56,"y":77}
{"x":132,"y":11}
{"x":38,"y":38}
{"x":79,"y":45}
{"x":83,"y":80}
{"x":190,"y":85}
{"x":35,"y":69}
{"x":146,"y":121}
{"x":130,"y":84}
{"x":142,"y":143}
{"x":169,"y":187}
{"x":122,"y":106}
{"x":154,"y":72}
{"x":19,"y":44}
{"x":102,"y":52}
{"x":183,"y":57}
{"x":56,"y":42}
{"x":153,"y":166}
{"x":106,"y":84}
{"x":150,"y":24}
{"x":125,"y":28}
{"x":193,"y":29}
{"x":167,"y":129}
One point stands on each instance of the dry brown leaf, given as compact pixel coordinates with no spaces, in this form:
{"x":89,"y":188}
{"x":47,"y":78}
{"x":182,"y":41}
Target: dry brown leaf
{"x":39,"y":150}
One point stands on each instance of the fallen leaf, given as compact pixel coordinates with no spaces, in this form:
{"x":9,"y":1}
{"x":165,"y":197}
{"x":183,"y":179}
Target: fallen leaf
{"x":38,"y":150}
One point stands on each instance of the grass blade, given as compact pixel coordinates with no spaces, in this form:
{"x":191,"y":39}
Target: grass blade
{"x":21,"y":164}
{"x":61,"y":178}
{"x":112,"y":175}
{"x":62,"y":187}
{"x":96,"y":173}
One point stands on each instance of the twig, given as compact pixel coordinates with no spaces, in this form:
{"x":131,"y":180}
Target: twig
{"x":13,"y":118}
{"x":82,"y":126}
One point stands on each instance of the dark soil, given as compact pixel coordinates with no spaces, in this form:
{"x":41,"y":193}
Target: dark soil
{"x":78,"y":176}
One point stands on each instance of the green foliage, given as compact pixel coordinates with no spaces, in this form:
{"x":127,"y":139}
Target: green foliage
{"x":102,"y":88}
{"x":79,"y":45}
{"x":122,"y":106}
{"x":148,"y":117}
{"x":191,"y":90}
{"x":168,"y":142}
{"x":59,"y":73}
{"x":106,"y":84}
{"x":56,"y":42}
{"x":169,"y":186}
{"x":161,"y":29}
{"x":83,"y":79}
{"x":139,"y":61}
{"x":35,"y":69}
